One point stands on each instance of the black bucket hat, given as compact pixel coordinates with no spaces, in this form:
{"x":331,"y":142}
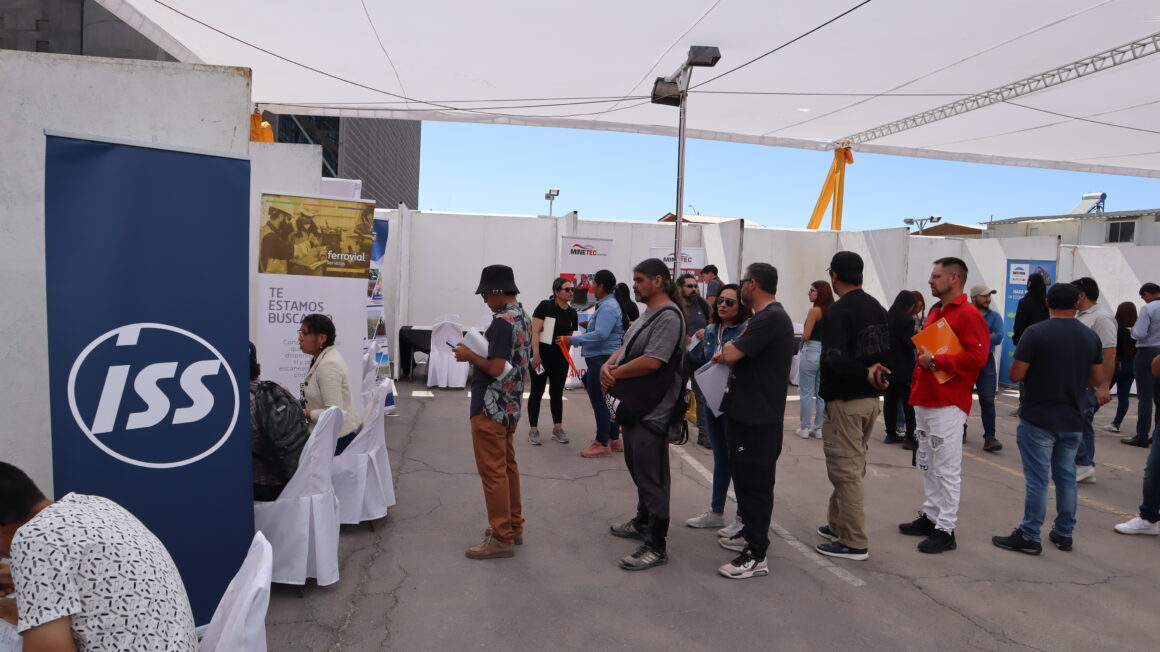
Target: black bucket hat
{"x":497,"y":279}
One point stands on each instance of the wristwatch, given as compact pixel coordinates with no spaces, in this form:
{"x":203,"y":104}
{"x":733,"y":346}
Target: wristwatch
{"x":930,"y":367}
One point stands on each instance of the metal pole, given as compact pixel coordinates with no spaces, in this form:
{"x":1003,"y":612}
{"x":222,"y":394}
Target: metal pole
{"x":551,"y":200}
{"x":680,"y":174}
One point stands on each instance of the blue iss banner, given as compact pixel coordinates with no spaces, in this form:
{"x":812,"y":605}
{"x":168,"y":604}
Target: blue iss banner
{"x":146,"y":254}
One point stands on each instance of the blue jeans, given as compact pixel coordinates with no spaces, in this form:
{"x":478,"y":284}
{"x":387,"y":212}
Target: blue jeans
{"x":1150,"y":508}
{"x":1122,"y":382}
{"x":1147,"y":393}
{"x":809,"y":379}
{"x":719,"y":439}
{"x":1086,"y":454}
{"x":605,"y":425}
{"x":986,"y":386}
{"x":1042,"y":450}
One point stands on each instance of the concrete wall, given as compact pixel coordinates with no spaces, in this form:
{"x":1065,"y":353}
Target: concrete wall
{"x":202,"y":107}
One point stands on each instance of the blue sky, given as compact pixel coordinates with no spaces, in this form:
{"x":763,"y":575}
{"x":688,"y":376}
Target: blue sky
{"x":606,"y":175}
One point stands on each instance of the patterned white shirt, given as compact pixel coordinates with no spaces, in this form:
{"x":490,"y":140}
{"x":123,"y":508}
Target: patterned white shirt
{"x":88,"y":558}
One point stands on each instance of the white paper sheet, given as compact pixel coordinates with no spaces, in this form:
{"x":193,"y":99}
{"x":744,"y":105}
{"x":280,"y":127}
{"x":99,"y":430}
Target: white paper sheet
{"x":478,"y":343}
{"x":548,"y":330}
{"x":713,"y":379}
{"x":10,"y":640}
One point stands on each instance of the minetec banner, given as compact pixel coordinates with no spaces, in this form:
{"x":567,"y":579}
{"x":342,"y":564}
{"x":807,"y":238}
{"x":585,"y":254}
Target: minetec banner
{"x":314,"y":256}
{"x":147,"y":356}
{"x":583,"y":257}
{"x":692,"y":258}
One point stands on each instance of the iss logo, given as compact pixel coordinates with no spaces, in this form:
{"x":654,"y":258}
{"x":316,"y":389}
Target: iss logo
{"x":153,"y":395}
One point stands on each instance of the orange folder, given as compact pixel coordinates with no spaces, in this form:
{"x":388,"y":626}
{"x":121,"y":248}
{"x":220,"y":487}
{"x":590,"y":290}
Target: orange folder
{"x":938,"y":339}
{"x":568,"y":357}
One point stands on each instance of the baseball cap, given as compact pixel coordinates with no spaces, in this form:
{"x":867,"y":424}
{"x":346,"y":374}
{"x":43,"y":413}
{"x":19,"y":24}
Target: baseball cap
{"x":980,"y":290}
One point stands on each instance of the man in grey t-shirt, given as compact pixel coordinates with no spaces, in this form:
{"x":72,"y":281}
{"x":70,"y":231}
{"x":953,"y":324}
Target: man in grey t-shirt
{"x":653,"y":345}
{"x":1096,"y":317}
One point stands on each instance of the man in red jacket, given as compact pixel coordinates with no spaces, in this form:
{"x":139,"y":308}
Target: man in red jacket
{"x":941,"y":409}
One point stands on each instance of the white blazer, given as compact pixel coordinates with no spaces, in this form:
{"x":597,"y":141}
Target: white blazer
{"x":328,"y":384}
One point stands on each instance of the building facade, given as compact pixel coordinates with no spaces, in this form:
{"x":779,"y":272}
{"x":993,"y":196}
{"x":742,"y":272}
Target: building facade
{"x":1126,"y":228}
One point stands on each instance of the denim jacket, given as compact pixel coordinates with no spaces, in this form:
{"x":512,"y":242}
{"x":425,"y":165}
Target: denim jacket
{"x":604,"y":332}
{"x":704,"y":352}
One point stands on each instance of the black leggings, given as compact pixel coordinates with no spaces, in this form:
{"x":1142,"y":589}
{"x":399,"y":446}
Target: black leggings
{"x":555,"y":373}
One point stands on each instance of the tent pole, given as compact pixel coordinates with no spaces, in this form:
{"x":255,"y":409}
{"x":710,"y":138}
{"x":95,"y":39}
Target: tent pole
{"x":685,"y":75}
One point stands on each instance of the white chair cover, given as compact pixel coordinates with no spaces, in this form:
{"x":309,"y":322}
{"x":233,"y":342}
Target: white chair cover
{"x":442,"y":369}
{"x":302,"y":524}
{"x":368,"y":360}
{"x":239,"y":622}
{"x":362,"y":473}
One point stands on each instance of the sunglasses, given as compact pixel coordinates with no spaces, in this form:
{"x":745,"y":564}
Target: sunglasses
{"x":567,"y":289}
{"x":690,"y":286}
{"x":727,"y":302}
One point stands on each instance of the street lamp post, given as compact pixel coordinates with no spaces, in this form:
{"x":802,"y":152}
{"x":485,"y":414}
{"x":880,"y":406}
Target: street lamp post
{"x":674,"y":91}
{"x":922,"y":221}
{"x":551,"y":196}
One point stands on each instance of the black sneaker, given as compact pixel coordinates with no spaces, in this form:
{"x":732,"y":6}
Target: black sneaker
{"x":1060,"y":541}
{"x":1018,"y":543}
{"x":919,"y":527}
{"x":910,"y":444}
{"x":645,"y":557}
{"x":938,"y":542}
{"x":1142,"y":442}
{"x":837,"y":549}
{"x":825,"y":532}
{"x":627,"y":530}
{"x":992,"y":445}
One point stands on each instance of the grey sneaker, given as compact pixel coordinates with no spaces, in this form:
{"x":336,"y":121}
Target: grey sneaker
{"x":736,"y":543}
{"x":1085,"y":474}
{"x":626,"y":530}
{"x":559,"y":435}
{"x":744,"y":567}
{"x":708,"y":519}
{"x":534,"y":436}
{"x":644,"y":557}
{"x":731,"y":530}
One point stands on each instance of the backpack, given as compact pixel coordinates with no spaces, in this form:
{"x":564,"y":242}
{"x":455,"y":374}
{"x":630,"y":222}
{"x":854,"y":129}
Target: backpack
{"x":283,"y":422}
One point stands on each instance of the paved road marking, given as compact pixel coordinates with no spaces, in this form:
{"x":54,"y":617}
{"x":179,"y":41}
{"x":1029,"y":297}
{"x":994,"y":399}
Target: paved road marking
{"x":808,"y":552}
{"x":1117,"y":467}
{"x":1083,"y":499}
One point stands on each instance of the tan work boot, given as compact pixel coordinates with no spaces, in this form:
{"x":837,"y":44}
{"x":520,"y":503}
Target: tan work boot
{"x":490,"y":549}
{"x":518,"y":537}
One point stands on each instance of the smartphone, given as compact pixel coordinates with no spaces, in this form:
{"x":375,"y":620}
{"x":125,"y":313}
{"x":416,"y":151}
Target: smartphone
{"x":451,"y":344}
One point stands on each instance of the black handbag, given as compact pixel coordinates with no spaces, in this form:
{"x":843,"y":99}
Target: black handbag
{"x":631,"y":399}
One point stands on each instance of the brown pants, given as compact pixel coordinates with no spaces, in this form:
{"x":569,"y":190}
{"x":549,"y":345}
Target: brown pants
{"x":495,"y":458}
{"x":845,"y":440}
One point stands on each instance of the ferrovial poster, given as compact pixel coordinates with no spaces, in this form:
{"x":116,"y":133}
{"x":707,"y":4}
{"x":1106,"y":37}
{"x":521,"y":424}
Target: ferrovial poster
{"x":147,"y":358}
{"x":1018,"y":272}
{"x":314,"y":256}
{"x":692,"y":258}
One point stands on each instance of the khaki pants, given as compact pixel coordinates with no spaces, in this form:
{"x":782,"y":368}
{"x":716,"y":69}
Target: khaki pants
{"x":495,"y":459}
{"x":845,"y":440}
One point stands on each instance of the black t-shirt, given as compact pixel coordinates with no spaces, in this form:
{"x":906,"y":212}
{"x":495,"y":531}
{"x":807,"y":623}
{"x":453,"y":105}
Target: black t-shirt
{"x":567,"y":321}
{"x":758,"y":384}
{"x":499,"y":345}
{"x":856,"y":337}
{"x":1059,"y":354}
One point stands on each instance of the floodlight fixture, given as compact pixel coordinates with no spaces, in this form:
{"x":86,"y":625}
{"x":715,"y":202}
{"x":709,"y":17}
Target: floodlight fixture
{"x":551,"y":196}
{"x":674,"y":91}
{"x":922,"y":221}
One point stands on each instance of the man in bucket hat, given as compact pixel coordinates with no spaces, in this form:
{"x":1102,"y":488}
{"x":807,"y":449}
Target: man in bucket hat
{"x":496,"y":387}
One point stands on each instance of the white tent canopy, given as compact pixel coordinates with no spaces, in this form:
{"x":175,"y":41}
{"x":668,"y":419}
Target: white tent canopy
{"x":906,"y":77}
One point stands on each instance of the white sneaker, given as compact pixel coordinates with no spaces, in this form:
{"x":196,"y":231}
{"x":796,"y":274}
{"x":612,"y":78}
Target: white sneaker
{"x":744,"y":567}
{"x":736,"y":543}
{"x":1138,"y":526}
{"x":731,"y":530}
{"x":708,"y":519}
{"x":1085,"y":474}
{"x":804,"y":433}
{"x":816,"y":432}
{"x":1111,"y":427}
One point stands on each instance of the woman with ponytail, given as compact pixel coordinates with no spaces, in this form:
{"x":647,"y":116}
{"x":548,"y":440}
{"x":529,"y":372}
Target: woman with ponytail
{"x":600,"y":339}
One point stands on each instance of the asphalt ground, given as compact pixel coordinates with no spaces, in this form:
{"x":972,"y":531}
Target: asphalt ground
{"x":406,"y":584}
